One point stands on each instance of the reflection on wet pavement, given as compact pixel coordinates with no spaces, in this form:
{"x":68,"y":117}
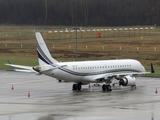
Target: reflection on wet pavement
{"x":51,"y":100}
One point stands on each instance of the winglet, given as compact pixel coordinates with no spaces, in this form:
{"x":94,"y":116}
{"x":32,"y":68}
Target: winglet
{"x":152,"y":69}
{"x":11,"y":65}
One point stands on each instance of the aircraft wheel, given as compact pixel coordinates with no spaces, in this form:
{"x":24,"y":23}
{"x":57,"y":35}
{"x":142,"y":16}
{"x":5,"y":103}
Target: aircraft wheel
{"x":79,"y":86}
{"x":109,"y":88}
{"x":104,"y":87}
{"x":74,"y":86}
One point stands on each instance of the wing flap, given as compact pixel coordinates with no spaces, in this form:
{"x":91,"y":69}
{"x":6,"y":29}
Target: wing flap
{"x":110,"y":76}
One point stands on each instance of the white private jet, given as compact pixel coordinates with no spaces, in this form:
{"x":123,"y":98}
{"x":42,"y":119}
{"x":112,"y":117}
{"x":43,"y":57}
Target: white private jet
{"x":85,"y":72}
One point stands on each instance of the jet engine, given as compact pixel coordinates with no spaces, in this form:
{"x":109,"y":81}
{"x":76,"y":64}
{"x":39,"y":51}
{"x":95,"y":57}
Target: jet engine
{"x":127,"y":81}
{"x":43,"y":68}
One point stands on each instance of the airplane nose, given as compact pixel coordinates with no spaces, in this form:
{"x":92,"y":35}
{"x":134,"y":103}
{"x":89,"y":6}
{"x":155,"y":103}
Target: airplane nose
{"x":37,"y":68}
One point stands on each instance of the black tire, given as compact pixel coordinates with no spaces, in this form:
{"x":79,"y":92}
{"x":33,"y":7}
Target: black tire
{"x":79,"y":86}
{"x":104,"y":87}
{"x":74,"y":86}
{"x":109,"y":88}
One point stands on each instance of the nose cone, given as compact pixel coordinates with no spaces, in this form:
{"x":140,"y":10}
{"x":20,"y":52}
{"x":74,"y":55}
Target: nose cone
{"x":37,"y":68}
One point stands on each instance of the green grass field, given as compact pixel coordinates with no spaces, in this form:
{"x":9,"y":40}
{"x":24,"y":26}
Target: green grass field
{"x":19,"y":46}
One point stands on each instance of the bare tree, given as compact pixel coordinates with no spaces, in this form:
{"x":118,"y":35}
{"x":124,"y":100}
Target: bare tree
{"x":81,"y":12}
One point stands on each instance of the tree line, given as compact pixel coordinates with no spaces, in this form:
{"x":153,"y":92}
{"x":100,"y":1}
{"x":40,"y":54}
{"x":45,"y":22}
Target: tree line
{"x":81,"y":12}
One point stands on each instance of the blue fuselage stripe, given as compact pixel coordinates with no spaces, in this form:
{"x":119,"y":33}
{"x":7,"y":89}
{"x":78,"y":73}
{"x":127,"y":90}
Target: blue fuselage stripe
{"x":97,"y":73}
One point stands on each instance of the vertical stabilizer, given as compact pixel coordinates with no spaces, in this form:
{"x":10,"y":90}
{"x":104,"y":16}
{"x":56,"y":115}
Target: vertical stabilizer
{"x":44,"y":56}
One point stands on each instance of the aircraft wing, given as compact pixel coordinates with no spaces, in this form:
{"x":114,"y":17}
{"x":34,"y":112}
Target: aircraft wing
{"x":37,"y":69}
{"x":22,"y":68}
{"x":121,"y":75}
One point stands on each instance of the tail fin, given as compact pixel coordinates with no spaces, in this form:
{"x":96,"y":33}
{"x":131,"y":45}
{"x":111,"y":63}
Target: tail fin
{"x":44,"y":56}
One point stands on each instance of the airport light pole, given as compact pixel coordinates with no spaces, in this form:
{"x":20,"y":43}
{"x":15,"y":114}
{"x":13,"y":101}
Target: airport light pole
{"x":76,"y":38}
{"x":76,"y":42}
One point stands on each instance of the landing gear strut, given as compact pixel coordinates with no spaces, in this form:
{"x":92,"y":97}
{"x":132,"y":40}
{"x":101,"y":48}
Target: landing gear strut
{"x":106,"y":87}
{"x":77,"y":86}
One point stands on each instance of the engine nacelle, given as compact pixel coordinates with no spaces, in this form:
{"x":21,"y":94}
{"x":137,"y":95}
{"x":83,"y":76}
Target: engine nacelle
{"x":127,"y":81}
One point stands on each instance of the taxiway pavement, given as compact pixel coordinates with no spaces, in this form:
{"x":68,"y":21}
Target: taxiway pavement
{"x":51,"y":100}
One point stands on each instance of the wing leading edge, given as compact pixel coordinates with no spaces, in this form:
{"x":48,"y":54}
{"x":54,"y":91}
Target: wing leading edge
{"x":22,"y":68}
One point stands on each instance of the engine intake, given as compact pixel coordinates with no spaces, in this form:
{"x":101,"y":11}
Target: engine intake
{"x":127,"y":81}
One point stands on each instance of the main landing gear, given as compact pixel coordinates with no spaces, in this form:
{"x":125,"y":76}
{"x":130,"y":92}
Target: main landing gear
{"x":106,"y":87}
{"x":77,"y":86}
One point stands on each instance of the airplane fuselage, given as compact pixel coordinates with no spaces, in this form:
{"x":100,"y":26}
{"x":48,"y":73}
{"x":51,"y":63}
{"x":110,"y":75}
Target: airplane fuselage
{"x":90,"y":71}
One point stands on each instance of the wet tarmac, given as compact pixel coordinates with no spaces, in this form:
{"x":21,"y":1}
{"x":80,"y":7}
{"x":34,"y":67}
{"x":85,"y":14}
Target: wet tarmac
{"x":51,"y":100}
